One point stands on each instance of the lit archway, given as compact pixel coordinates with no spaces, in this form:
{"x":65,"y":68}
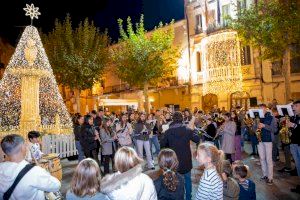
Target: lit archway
{"x":241,"y":99}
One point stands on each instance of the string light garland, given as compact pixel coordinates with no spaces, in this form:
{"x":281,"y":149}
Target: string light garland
{"x":28,"y":83}
{"x":221,"y":63}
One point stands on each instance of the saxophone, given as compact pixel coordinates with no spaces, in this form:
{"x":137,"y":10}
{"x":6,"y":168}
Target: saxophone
{"x":285,"y":132}
{"x":248,"y":121}
{"x":258,"y":130}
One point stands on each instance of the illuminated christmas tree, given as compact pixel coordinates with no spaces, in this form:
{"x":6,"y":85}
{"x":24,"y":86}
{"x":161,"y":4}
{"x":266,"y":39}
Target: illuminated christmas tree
{"x":29,"y":95}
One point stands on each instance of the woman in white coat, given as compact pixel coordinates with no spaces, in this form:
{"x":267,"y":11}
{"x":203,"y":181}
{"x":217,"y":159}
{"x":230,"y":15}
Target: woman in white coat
{"x":128,"y":182}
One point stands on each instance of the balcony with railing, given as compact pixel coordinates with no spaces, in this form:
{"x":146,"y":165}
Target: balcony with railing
{"x":169,"y":82}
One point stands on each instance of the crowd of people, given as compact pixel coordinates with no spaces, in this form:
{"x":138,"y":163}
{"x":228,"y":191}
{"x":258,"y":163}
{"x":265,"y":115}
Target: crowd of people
{"x":112,"y":149}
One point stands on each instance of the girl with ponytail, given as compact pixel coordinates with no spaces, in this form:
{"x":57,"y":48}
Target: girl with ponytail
{"x":211,"y":184}
{"x":170,"y":184}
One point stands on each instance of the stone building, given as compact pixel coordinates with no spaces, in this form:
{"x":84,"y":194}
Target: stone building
{"x":220,"y":70}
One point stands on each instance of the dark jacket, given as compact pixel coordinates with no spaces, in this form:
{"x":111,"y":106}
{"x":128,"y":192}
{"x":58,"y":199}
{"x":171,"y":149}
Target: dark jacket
{"x":295,"y":137}
{"x":178,"y":138}
{"x":142,"y":131}
{"x":249,"y":194}
{"x":88,"y":141}
{"x":238,"y":126}
{"x":164,"y":194}
{"x":97,"y":123}
{"x":266,"y":132}
{"x":78,"y":131}
{"x":211,"y":131}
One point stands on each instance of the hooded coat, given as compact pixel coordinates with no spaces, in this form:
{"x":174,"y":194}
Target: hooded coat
{"x":129,"y":185}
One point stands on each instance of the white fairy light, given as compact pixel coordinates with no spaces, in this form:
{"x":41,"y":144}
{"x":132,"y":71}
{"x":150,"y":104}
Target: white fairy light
{"x":221,"y":63}
{"x":30,"y":58}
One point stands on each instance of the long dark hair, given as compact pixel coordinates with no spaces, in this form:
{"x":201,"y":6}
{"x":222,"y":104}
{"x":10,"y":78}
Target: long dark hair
{"x":140,"y":120}
{"x":86,"y":119}
{"x":121,"y":121}
{"x":76,"y":119}
{"x":107,"y":129}
{"x":168,"y":163}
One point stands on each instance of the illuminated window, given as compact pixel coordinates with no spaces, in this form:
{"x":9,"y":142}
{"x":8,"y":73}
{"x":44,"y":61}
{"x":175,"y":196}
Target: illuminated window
{"x":295,"y":60}
{"x":246,"y":56}
{"x":277,"y":67}
{"x":198,"y":27}
{"x":225,"y":14}
{"x":241,"y":4}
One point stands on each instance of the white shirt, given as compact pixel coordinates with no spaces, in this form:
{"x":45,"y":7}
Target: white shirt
{"x":33,"y":151}
{"x":31,"y":186}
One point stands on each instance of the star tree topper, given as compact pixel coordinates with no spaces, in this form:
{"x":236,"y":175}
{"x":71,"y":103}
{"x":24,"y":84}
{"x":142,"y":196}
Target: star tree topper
{"x":32,"y":11}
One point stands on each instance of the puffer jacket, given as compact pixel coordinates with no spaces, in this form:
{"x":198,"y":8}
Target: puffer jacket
{"x":87,"y":140}
{"x":129,"y":185}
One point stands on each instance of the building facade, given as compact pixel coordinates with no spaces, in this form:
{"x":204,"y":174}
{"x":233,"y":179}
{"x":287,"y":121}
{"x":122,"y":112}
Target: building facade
{"x":215,"y":69}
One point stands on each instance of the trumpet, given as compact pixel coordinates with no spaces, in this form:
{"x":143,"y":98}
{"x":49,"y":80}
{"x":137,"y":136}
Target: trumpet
{"x":285,"y":132}
{"x":258,"y":131}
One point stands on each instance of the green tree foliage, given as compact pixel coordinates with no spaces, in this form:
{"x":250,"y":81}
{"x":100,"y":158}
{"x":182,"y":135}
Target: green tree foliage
{"x":143,"y":59}
{"x":78,"y":56}
{"x":273,"y":27}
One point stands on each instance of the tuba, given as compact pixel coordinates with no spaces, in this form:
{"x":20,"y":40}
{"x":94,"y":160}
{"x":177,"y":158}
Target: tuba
{"x":285,"y":132}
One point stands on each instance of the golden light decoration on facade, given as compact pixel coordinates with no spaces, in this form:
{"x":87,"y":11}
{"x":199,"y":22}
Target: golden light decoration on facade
{"x":221,"y":63}
{"x":29,"y":95}
{"x":182,"y":70}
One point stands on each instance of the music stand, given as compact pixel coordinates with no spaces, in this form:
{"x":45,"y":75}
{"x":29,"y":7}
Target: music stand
{"x":285,"y":110}
{"x":254,"y":113}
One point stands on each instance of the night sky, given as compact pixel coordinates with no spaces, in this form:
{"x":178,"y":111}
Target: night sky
{"x":103,"y":12}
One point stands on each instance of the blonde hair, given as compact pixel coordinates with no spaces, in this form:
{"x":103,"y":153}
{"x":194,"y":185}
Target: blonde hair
{"x":217,"y":156}
{"x":126,"y":158}
{"x":86,"y":178}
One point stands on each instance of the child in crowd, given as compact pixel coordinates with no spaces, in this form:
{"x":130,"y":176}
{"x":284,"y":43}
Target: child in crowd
{"x":34,"y":152}
{"x":231,"y":188}
{"x":211,"y":184}
{"x":86,"y":182}
{"x":247,"y":187}
{"x":169,"y":185}
{"x":241,"y":163}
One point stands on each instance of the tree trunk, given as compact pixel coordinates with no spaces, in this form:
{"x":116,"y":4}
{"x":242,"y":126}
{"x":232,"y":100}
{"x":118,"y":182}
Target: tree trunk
{"x":77,"y":97}
{"x":64,"y":95}
{"x":286,"y":71}
{"x":146,"y":103}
